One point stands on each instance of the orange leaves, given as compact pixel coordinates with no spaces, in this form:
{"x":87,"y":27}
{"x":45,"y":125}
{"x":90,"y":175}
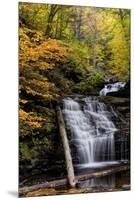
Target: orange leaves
{"x":34,"y":124}
{"x":30,"y":120}
{"x":37,"y":83}
{"x":38,"y":37}
{"x":55,"y":49}
{"x":37,"y":87}
{"x":38,"y":55}
{"x":38,"y":52}
{"x":23,"y":115}
{"x":41,"y":84}
{"x":23,"y":101}
{"x":34,"y":93}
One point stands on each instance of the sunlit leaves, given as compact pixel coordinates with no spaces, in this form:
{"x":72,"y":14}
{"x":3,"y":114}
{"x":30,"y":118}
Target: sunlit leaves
{"x":37,"y":55}
{"x":65,"y":50}
{"x":120,"y":49}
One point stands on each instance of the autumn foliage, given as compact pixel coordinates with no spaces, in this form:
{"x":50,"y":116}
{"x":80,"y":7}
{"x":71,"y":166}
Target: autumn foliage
{"x":37,"y":55}
{"x":65,"y":50}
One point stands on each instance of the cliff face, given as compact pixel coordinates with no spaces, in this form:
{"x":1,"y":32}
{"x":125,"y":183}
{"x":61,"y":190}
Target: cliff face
{"x":121,"y":107}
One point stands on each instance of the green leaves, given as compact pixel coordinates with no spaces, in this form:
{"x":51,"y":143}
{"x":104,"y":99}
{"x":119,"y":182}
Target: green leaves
{"x":120,"y":47}
{"x":65,"y":50}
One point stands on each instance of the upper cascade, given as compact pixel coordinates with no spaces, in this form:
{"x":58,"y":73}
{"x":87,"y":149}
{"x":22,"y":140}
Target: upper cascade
{"x":112,"y":87}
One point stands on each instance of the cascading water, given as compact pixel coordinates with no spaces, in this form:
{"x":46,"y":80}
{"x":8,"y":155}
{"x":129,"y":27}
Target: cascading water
{"x":92,"y":131}
{"x":112,"y":87}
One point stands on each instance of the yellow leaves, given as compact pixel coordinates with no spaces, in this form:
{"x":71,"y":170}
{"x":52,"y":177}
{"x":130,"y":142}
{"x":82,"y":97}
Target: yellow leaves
{"x":36,"y":56}
{"x":29,"y":116}
{"x":38,"y":52}
{"x":55,"y":48}
{"x":34,"y":124}
{"x":44,"y":65}
{"x":36,"y":87}
{"x":38,"y":37}
{"x":41,"y":84}
{"x":31,"y":120}
{"x":34,"y":93}
{"x":120,"y":61}
{"x":23,"y":101}
{"x":23,"y":115}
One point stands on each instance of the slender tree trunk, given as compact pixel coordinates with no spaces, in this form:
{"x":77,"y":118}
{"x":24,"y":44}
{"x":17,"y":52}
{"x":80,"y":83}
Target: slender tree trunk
{"x":68,"y":157}
{"x":94,"y":53}
{"x":57,"y":26}
{"x":53,"y":10}
{"x":61,"y":24}
{"x":78,"y":23}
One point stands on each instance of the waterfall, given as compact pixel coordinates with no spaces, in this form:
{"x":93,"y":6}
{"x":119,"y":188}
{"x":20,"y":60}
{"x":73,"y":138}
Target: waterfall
{"x":112,"y":87}
{"x":92,"y":131}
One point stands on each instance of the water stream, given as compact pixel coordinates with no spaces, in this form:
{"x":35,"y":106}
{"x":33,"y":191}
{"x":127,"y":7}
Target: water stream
{"x":112,"y":87}
{"x":92,"y":131}
{"x":92,"y":134}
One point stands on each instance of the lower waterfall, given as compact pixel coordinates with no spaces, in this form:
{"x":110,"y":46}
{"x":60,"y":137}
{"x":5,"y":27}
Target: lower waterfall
{"x":92,"y":131}
{"x":92,"y":137}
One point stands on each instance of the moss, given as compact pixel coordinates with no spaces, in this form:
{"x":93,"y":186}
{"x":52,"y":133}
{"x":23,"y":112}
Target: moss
{"x":28,"y":153}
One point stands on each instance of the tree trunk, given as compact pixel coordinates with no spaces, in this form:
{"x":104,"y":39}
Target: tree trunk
{"x":68,"y":157}
{"x":53,"y":11}
{"x":78,"y":23}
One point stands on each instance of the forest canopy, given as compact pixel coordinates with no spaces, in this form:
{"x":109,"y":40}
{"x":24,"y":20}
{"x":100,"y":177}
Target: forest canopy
{"x":65,"y":50}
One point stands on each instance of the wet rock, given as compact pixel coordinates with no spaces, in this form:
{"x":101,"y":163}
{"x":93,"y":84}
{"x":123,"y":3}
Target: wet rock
{"x":113,"y":80}
{"x":123,"y":92}
{"x":113,"y":100}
